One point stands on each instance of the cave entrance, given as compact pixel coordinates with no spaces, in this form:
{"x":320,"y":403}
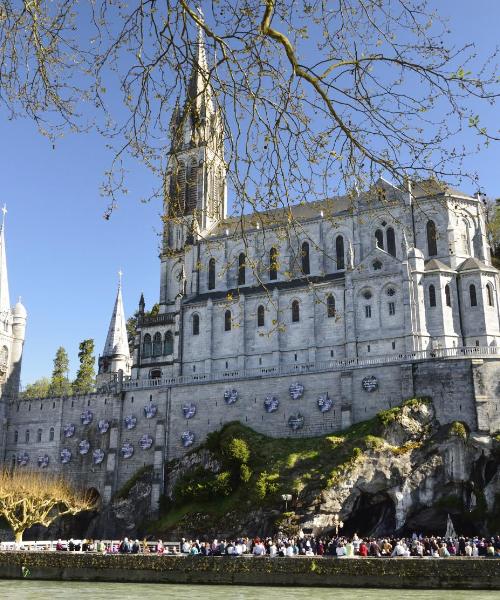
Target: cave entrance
{"x":372,"y":514}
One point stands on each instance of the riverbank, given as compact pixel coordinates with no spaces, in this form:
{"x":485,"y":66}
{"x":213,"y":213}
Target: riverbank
{"x":423,"y":573}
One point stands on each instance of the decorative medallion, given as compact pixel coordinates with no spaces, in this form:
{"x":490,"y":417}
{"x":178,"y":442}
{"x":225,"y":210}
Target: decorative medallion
{"x":69,"y":430}
{"x":370,"y":383}
{"x":150,"y":410}
{"x":103,"y":426}
{"x":296,"y":391}
{"x":230,"y":396}
{"x":65,"y":455}
{"x":43,"y":461}
{"x":146,"y":442}
{"x":84,"y":447}
{"x":87,"y":417}
{"x":271,"y":404}
{"x":127,"y":450}
{"x":377,"y":265}
{"x":325,"y":403}
{"x":367,"y":294}
{"x":23,"y":459}
{"x":187,"y":439}
{"x":189,"y":410}
{"x":98,"y":456}
{"x":391,"y":291}
{"x":296,"y":422}
{"x":130,"y":422}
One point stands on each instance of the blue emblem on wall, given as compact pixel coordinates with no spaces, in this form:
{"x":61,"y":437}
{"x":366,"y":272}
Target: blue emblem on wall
{"x":187,"y":439}
{"x":189,"y":410}
{"x":296,"y":422}
{"x":87,"y":417}
{"x":231,"y":396}
{"x":98,"y":456}
{"x":325,"y":403}
{"x":150,"y":410}
{"x":296,"y":391}
{"x":127,"y":450}
{"x":84,"y":447}
{"x":23,"y":459}
{"x":271,"y":404}
{"x":69,"y":430}
{"x":103,"y":426}
{"x":130,"y":422}
{"x":146,"y":442}
{"x":43,"y":461}
{"x":65,"y":455}
{"x":370,"y":383}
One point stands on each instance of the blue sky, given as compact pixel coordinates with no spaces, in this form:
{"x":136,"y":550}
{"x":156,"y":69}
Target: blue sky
{"x":63,"y":257}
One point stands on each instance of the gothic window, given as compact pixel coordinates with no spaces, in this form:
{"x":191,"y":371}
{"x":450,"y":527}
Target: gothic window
{"x":4,"y":355}
{"x":391,"y":241}
{"x":472,"y":294}
{"x":241,"y":269}
{"x":330,"y":306}
{"x":192,"y":188}
{"x":392,"y":308}
{"x":489,"y":292}
{"x":39,"y":436}
{"x":211,"y":274}
{"x":157,"y":344}
{"x":27,"y":436}
{"x":379,"y":237}
{"x":339,"y":251}
{"x":447,"y":294}
{"x":260,"y":316}
{"x":168,"y":345}
{"x":227,"y":320}
{"x":295,"y":311}
{"x":368,"y":311}
{"x":273,"y":264}
{"x":431,"y":238}
{"x":178,"y":187}
{"x":196,"y":324}
{"x":16,"y":437}
{"x":146,"y":346}
{"x":305,"y":259}
{"x":432,"y":295}
{"x":51,"y":434}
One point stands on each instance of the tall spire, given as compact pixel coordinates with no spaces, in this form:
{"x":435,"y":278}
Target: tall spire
{"x":199,"y":91}
{"x":4,"y":279}
{"x":116,"y":341}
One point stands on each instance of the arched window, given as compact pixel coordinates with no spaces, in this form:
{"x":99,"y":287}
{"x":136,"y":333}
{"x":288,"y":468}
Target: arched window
{"x":379,"y":237}
{"x":211,"y":274}
{"x":273,"y":264}
{"x":339,"y":250}
{"x":472,"y":295}
{"x":306,"y":269}
{"x":489,"y":292}
{"x":432,"y":295}
{"x":27,"y":436}
{"x":16,"y":437}
{"x":168,"y":344}
{"x":431,"y":239}
{"x":192,"y":188}
{"x":155,"y":374}
{"x":330,"y":306}
{"x":51,"y":434}
{"x":447,"y":294}
{"x":157,"y":345}
{"x":295,"y":311}
{"x":146,"y":346}
{"x":227,"y":320}
{"x":241,"y":269}
{"x":260,"y":316}
{"x":196,"y":324}
{"x":4,"y":355}
{"x":39,"y":435}
{"x":391,"y":241}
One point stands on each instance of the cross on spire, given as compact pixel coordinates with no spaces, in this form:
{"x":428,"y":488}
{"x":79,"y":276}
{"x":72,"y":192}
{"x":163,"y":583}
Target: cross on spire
{"x":4,"y":211}
{"x":120,"y":275}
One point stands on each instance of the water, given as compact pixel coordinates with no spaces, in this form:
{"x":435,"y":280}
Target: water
{"x":59,"y":590}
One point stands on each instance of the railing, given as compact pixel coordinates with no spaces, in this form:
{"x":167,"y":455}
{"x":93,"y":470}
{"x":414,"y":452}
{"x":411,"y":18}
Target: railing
{"x":111,"y":546}
{"x":300,"y":368}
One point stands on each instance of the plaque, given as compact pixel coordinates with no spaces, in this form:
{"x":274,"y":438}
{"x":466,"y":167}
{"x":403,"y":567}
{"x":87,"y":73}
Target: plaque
{"x":130,"y":422}
{"x":146,"y":442}
{"x":103,"y":426}
{"x":98,"y":456}
{"x":43,"y":461}
{"x":84,"y":447}
{"x":65,"y":455}
{"x":325,"y":403}
{"x":127,"y":450}
{"x":271,"y":404}
{"x":87,"y":417}
{"x":296,"y":422}
{"x":150,"y":410}
{"x":231,"y":396}
{"x":370,"y":383}
{"x":23,"y":459}
{"x":296,"y":391}
{"x":189,"y":410}
{"x":69,"y":430}
{"x":187,"y":439}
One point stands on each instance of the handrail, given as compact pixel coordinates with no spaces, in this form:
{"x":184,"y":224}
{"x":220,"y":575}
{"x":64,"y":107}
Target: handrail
{"x":111,"y":546}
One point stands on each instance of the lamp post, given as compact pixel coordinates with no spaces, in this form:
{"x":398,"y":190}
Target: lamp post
{"x":286,"y":499}
{"x":338,"y":524}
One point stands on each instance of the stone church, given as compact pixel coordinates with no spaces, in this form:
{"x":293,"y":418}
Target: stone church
{"x":367,"y":301}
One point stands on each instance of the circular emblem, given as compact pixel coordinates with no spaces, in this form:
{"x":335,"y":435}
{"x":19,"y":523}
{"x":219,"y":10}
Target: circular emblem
{"x":43,"y":461}
{"x":103,"y":426}
{"x":98,"y":456}
{"x":146,"y":442}
{"x":296,"y":422}
{"x":296,"y":391}
{"x":87,"y":417}
{"x":65,"y":455}
{"x":187,"y":439}
{"x":130,"y":422}
{"x":84,"y":447}
{"x":150,"y":410}
{"x":23,"y":459}
{"x":370,"y":383}
{"x":127,"y":450}
{"x":271,"y":404}
{"x":230,"y":396}
{"x":69,"y":430}
{"x":189,"y":410}
{"x":325,"y":403}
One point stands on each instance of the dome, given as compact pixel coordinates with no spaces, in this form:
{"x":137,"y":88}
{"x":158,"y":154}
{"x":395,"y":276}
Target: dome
{"x":19,"y":311}
{"x":415,"y":253}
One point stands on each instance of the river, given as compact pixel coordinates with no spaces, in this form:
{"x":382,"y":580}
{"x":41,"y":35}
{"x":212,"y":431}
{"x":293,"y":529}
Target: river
{"x":55,"y":590}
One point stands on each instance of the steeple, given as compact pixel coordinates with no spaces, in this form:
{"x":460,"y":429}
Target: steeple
{"x":4,"y":279}
{"x":199,"y":92}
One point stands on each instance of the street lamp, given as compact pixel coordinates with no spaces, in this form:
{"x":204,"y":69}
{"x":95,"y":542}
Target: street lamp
{"x":337,"y":523}
{"x":286,"y":499}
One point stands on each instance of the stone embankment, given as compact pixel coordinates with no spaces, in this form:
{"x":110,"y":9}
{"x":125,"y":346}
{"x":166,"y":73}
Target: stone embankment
{"x":454,"y":573}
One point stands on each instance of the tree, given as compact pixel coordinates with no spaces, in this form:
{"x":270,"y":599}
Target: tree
{"x":38,"y":389}
{"x":28,"y":498}
{"x":85,"y":378}
{"x":60,"y":384}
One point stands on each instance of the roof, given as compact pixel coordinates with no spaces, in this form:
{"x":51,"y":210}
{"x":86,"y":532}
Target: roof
{"x":116,"y":340}
{"x":474,"y":264}
{"x":436,"y":265}
{"x":432,"y":187}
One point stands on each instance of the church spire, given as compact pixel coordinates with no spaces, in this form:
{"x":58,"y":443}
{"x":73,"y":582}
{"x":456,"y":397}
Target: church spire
{"x":199,"y":91}
{"x":116,"y":341}
{"x":4,"y":279}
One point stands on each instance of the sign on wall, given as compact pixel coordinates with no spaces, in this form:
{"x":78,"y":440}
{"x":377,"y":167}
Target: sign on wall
{"x":370,"y":383}
{"x":296,"y":391}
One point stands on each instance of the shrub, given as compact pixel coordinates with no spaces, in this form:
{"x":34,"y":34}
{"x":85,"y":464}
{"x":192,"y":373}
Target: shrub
{"x":458,"y":429}
{"x":245,"y":473}
{"x":266,"y":484}
{"x":238,"y":451}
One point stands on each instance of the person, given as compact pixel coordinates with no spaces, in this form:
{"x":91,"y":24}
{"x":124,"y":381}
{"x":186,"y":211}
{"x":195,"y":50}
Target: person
{"x":443,"y":551}
{"x":60,"y":546}
{"x":399,"y":549}
{"x":124,"y":547}
{"x":160,"y":548}
{"x":363,"y":549}
{"x":340,"y":550}
{"x":136,"y":547}
{"x":258,"y":548}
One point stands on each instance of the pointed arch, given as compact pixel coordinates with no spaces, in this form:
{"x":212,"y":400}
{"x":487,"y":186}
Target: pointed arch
{"x":431,"y":238}
{"x":192,"y":188}
{"x":241,"y":269}
{"x":227,"y":320}
{"x":273,"y":264}
{"x":168,"y":344}
{"x":196,"y":324}
{"x":211,"y":274}
{"x":157,"y":345}
{"x":447,"y":294}
{"x":379,"y":238}
{"x":261,"y":316}
{"x":39,"y":434}
{"x":391,"y":241}
{"x":432,"y":296}
{"x":330,"y":306}
{"x":306,"y":267}
{"x":147,"y":347}
{"x":51,"y":434}
{"x":472,"y":295}
{"x":295,"y":311}
{"x":489,"y":293}
{"x":339,"y":251}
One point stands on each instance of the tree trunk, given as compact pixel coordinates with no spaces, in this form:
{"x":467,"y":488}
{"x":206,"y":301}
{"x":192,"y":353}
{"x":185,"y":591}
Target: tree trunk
{"x":19,"y":536}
